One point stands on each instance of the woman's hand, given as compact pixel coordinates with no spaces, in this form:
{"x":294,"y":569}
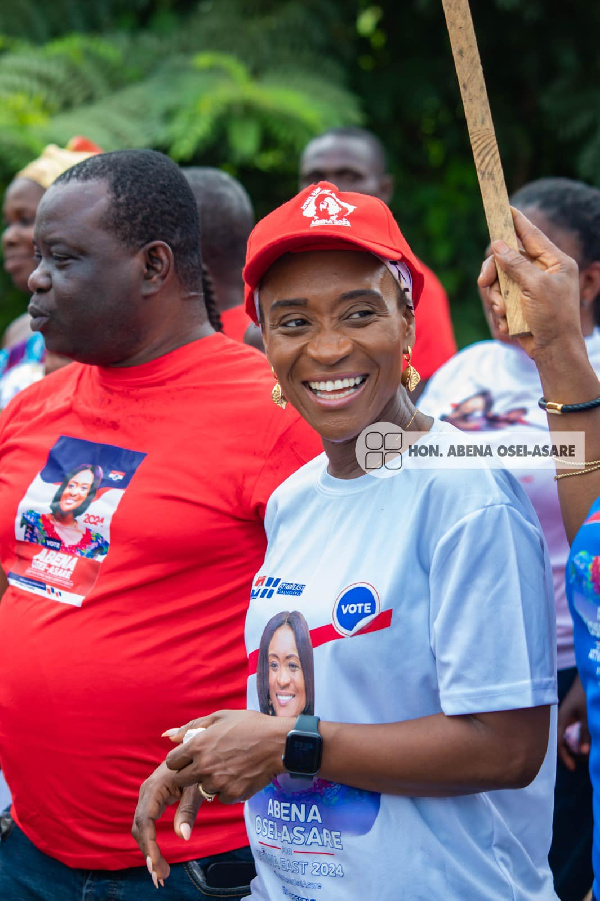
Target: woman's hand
{"x":156,"y":793}
{"x":549,"y":284}
{"x":237,"y":755}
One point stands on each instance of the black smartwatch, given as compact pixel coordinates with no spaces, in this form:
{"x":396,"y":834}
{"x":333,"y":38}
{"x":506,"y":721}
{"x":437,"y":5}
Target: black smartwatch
{"x":303,"y":747}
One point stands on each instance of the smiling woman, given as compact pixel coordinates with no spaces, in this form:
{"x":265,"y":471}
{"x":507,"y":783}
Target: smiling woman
{"x":285,"y":669}
{"x":60,"y":529}
{"x":427,"y":599}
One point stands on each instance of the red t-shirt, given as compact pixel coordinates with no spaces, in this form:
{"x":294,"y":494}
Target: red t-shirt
{"x":101,"y":653}
{"x":435,"y":336}
{"x":235,"y":322}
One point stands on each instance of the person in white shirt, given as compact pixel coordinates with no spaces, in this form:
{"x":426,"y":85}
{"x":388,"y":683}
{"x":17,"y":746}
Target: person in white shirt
{"x":494,"y":387}
{"x":425,"y":773}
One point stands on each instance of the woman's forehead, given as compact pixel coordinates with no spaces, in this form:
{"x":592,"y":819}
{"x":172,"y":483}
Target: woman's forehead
{"x":322,"y":269}
{"x":23,"y":191}
{"x":83,"y":475}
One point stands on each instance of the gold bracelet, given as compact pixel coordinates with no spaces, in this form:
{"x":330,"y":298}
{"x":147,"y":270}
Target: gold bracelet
{"x":578,"y":472}
{"x":583,"y":463}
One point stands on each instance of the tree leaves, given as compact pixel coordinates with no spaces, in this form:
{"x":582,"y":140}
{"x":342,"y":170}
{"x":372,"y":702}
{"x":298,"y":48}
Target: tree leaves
{"x":125,"y":90}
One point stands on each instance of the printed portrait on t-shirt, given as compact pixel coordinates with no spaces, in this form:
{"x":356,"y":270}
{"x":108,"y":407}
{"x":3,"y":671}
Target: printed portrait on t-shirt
{"x":306,"y":815}
{"x":285,"y":676}
{"x":475,"y":414}
{"x":62,"y":525}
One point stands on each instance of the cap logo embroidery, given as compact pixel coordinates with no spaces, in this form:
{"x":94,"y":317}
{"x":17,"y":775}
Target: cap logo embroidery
{"x":324,"y":207}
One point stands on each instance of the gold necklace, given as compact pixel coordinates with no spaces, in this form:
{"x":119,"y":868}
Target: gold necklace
{"x":406,"y":427}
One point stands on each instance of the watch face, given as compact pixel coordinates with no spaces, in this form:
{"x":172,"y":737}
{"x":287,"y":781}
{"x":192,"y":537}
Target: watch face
{"x":303,"y":753}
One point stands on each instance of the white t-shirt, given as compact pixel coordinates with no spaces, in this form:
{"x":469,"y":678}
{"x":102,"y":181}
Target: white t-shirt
{"x":427,"y":592}
{"x":495,"y":387}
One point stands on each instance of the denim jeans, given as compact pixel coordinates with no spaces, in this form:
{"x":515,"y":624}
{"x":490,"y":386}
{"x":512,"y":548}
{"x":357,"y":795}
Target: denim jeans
{"x":27,"y":874}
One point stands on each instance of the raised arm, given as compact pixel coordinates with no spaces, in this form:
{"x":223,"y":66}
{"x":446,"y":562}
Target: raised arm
{"x":549,"y":285}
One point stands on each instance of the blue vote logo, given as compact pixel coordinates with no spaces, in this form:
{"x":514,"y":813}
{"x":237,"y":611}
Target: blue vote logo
{"x":355,"y":607}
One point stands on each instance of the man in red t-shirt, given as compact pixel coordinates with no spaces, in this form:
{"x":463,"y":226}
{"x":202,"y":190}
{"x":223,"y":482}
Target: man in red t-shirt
{"x":354,"y":159}
{"x":133,"y":485}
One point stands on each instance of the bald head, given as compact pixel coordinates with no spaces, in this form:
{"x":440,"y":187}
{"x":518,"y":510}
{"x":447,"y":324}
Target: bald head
{"x":351,"y":158}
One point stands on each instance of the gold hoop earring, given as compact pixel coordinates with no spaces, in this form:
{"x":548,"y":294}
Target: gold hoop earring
{"x":277,"y":395}
{"x":410,"y":377}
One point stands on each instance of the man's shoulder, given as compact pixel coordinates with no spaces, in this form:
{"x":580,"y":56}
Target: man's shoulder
{"x":243,"y":377}
{"x":232,"y":361}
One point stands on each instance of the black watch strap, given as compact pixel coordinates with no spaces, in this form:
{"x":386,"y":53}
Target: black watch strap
{"x":307,"y":723}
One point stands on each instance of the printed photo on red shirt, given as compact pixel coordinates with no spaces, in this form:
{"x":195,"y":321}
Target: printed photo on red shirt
{"x":63,"y":521}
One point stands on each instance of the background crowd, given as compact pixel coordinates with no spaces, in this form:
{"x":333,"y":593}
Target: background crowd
{"x":246,"y":84}
{"x":286,"y":111}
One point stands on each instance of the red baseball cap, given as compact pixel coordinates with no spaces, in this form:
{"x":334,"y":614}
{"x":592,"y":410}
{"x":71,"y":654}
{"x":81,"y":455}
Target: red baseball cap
{"x":322,"y":218}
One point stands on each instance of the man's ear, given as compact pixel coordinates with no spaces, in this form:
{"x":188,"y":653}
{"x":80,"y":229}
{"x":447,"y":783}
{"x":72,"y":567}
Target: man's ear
{"x":386,"y":188}
{"x":589,"y":283}
{"x":589,"y":292}
{"x":159,"y":266}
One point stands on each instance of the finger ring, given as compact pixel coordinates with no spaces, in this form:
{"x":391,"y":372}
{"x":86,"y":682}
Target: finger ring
{"x":208,"y":796}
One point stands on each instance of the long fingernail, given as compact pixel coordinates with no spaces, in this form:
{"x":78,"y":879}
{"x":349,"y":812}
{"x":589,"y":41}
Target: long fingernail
{"x":155,"y":879}
{"x":169,"y":733}
{"x":186,"y":831}
{"x":149,"y":864}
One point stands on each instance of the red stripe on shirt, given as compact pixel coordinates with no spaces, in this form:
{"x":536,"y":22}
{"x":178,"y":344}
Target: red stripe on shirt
{"x":325,"y":634}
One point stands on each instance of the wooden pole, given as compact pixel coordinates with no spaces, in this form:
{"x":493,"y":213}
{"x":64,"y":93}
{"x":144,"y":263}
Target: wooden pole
{"x":484,"y":146}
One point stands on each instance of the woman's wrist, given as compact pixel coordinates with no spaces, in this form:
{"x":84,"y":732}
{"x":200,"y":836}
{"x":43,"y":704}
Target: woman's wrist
{"x":566,"y":373}
{"x":279,"y":726}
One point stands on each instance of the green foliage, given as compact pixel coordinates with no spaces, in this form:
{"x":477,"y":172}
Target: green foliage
{"x":235,"y":83}
{"x":244,"y":84}
{"x":542,"y":71}
{"x":182,"y":92}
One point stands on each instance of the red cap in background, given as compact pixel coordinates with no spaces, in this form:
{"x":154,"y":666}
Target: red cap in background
{"x":322,"y":218}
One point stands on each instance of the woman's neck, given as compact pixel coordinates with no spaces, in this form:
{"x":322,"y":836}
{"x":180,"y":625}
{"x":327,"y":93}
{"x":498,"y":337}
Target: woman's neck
{"x":66,"y":520}
{"x":342,"y":456}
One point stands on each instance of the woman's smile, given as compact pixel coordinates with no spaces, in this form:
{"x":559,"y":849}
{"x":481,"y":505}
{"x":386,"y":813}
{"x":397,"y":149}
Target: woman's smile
{"x":337,"y":391}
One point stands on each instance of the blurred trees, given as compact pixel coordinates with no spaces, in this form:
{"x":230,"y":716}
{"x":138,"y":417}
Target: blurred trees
{"x":245,"y":83}
{"x":542,"y":70}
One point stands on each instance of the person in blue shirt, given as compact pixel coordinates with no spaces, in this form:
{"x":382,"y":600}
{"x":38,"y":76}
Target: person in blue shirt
{"x":550,"y":298}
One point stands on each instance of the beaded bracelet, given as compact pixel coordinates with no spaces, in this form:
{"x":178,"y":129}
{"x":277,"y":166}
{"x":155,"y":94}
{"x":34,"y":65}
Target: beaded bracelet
{"x":551,"y":407}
